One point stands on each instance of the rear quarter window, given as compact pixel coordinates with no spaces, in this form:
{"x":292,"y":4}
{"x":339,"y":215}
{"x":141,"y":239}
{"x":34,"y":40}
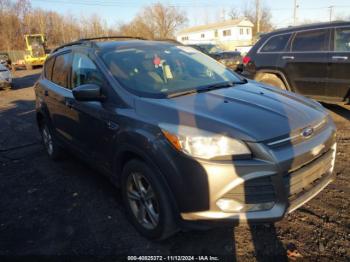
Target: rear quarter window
{"x":276,"y":43}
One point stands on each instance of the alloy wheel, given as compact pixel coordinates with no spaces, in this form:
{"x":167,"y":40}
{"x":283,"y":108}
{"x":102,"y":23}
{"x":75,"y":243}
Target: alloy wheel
{"x":143,"y":201}
{"x":47,"y":138}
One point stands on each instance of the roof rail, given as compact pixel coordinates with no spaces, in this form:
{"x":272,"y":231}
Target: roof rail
{"x":67,"y":44}
{"x":168,"y":40}
{"x":89,"y":41}
{"x":112,"y":37}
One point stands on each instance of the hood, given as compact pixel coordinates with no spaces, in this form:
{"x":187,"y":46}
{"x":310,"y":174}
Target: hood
{"x":251,"y":112}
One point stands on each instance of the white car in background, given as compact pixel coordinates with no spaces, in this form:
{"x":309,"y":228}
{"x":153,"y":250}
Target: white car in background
{"x":5,"y":77}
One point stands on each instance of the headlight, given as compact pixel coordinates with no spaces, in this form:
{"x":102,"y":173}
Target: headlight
{"x":204,"y":144}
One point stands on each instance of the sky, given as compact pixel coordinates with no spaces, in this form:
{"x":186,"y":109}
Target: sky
{"x":200,"y":11}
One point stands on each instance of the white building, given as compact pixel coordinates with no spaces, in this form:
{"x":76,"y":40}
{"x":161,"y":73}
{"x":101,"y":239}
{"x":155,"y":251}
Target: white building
{"x":229,"y":34}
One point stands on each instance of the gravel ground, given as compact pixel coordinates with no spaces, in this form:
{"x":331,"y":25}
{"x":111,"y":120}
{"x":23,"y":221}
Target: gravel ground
{"x":68,"y":211}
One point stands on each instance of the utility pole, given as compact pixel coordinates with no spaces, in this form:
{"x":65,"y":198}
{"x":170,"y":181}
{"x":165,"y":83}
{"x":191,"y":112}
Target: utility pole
{"x":295,"y":12}
{"x":331,"y":13}
{"x":257,"y":2}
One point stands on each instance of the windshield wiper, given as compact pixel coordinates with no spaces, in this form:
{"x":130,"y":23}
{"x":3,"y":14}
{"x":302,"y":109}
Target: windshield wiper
{"x":182,"y":93}
{"x":207,"y":88}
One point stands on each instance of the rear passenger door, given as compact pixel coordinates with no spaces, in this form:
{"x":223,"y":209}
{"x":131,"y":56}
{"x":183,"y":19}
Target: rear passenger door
{"x":305,"y":63}
{"x":339,"y":65}
{"x":57,"y":96}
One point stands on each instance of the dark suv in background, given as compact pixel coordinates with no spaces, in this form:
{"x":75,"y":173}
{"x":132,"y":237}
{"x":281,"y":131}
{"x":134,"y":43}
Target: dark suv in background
{"x":312,"y":60}
{"x":230,"y":59}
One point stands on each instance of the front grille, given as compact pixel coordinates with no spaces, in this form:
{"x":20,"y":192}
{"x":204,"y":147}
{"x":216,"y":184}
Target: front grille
{"x":301,"y":179}
{"x":253,"y":191}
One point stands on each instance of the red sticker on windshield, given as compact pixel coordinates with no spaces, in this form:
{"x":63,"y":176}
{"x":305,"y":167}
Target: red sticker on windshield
{"x":156,"y":60}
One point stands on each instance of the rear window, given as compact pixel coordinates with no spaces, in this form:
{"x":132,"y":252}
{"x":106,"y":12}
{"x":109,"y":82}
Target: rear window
{"x":276,"y":43}
{"x":313,"y":40}
{"x":61,"y":70}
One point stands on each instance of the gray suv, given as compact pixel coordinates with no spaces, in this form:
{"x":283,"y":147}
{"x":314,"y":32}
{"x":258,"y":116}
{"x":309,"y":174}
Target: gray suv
{"x":186,"y":140}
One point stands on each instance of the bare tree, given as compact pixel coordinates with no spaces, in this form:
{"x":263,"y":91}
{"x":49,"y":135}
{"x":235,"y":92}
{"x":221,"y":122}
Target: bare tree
{"x":19,"y":18}
{"x":265,"y":17}
{"x":155,"y":21}
{"x":234,"y":13}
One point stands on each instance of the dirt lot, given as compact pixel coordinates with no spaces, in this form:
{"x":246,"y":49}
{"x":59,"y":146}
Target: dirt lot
{"x":65,"y":208}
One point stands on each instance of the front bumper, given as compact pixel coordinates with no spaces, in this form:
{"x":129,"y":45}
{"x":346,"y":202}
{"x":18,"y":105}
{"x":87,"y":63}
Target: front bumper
{"x":292,"y":176}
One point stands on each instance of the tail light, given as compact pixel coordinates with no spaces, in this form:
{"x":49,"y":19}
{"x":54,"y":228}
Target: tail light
{"x":246,"y":60}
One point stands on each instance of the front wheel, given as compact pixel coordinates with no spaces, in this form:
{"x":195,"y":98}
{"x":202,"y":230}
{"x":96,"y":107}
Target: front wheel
{"x":146,"y":201}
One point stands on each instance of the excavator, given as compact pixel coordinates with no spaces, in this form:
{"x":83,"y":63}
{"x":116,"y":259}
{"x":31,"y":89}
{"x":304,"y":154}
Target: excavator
{"x":36,"y":52}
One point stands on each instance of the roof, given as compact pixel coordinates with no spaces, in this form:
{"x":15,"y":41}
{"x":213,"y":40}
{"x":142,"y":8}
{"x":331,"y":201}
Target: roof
{"x":309,"y":26}
{"x":110,"y":42}
{"x":131,"y":43}
{"x":227,"y":23}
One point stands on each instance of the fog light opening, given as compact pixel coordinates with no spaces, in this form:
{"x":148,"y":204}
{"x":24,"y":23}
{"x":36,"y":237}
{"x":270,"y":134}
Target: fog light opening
{"x":229,"y":205}
{"x":260,"y":207}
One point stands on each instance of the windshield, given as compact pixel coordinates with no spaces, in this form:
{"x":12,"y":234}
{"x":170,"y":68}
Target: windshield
{"x":35,"y":40}
{"x":162,"y":70}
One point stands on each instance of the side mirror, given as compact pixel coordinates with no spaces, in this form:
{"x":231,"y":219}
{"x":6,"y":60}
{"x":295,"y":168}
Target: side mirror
{"x":87,"y":92}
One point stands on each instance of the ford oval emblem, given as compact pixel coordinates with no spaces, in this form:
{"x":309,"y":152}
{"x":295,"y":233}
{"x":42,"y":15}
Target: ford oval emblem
{"x":307,"y":132}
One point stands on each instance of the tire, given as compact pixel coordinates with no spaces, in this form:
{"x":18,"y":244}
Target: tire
{"x":272,"y":80}
{"x":53,"y":150}
{"x":157,"y":221}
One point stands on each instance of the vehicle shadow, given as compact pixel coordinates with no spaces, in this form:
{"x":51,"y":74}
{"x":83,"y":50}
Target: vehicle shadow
{"x":25,"y":81}
{"x":62,"y":230}
{"x":339,"y":110}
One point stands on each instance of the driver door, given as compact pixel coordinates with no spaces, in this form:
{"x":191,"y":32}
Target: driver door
{"x":95,"y":132}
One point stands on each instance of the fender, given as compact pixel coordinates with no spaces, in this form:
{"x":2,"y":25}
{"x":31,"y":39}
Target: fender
{"x":138,"y":144}
{"x":279,"y":74}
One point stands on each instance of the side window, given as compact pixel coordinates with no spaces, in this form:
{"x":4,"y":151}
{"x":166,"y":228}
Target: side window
{"x":342,"y":39}
{"x":48,"y":68}
{"x":61,"y":70}
{"x":276,"y":43}
{"x":313,"y":40}
{"x":84,"y":71}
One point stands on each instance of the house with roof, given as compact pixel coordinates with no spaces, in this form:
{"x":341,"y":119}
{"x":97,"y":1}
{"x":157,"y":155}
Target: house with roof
{"x":229,"y":34}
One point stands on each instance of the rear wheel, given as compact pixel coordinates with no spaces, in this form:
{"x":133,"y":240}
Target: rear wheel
{"x":147,"y":203}
{"x":53,"y":150}
{"x":272,"y":80}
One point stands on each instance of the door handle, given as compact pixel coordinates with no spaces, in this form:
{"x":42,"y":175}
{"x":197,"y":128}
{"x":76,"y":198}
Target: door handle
{"x":111,"y":125}
{"x":287,"y":57}
{"x":339,"y":57}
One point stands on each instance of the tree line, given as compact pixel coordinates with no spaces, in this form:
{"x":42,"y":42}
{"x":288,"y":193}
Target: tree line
{"x":18,"y":18}
{"x":156,"y":21}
